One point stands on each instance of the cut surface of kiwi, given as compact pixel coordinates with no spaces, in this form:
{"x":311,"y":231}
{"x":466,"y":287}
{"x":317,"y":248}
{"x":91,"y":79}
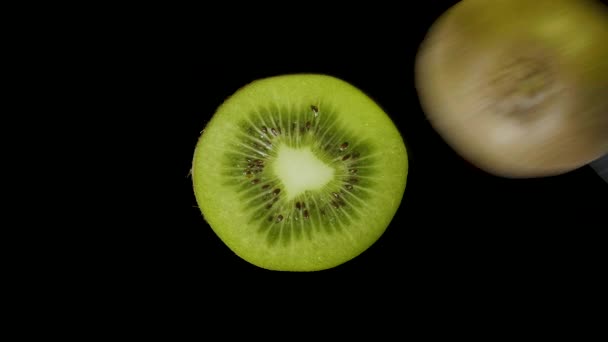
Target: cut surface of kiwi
{"x":519,"y":87}
{"x":299,"y":172}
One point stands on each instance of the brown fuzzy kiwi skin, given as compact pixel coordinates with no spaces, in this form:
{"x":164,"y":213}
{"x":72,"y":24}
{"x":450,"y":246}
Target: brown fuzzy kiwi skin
{"x":472,"y":74}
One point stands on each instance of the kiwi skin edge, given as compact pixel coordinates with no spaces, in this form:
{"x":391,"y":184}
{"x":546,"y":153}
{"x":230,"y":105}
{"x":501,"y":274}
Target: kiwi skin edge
{"x":250,"y":206}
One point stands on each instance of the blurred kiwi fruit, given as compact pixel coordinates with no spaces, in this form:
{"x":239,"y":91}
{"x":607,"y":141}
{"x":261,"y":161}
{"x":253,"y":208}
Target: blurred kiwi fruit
{"x":519,"y":88}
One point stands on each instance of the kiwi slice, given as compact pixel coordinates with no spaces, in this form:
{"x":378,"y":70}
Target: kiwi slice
{"x":299,"y":172}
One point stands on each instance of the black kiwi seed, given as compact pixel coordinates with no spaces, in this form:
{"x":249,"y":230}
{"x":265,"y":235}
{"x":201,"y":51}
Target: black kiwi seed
{"x":343,"y":146}
{"x":298,"y":206}
{"x":346,"y":157}
{"x":279,"y":218}
{"x":274,"y":131}
{"x":255,"y":181}
{"x":265,"y":186}
{"x":276,"y":192}
{"x":314,"y":109}
{"x":305,"y":214}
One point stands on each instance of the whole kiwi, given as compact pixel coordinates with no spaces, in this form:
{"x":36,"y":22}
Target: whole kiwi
{"x":518,"y":87}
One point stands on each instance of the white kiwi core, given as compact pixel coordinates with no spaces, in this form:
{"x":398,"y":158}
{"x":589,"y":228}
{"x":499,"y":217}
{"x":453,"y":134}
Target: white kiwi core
{"x":300,"y":170}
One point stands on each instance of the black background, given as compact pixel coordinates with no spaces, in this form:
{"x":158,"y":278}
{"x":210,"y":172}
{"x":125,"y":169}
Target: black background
{"x":455,"y":221}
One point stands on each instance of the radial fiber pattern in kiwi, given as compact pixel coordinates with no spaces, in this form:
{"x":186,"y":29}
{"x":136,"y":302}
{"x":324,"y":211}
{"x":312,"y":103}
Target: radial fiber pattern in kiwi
{"x":329,"y":210}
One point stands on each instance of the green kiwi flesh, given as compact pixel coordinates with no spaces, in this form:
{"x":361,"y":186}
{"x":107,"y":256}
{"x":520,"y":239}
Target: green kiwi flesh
{"x":299,"y":172}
